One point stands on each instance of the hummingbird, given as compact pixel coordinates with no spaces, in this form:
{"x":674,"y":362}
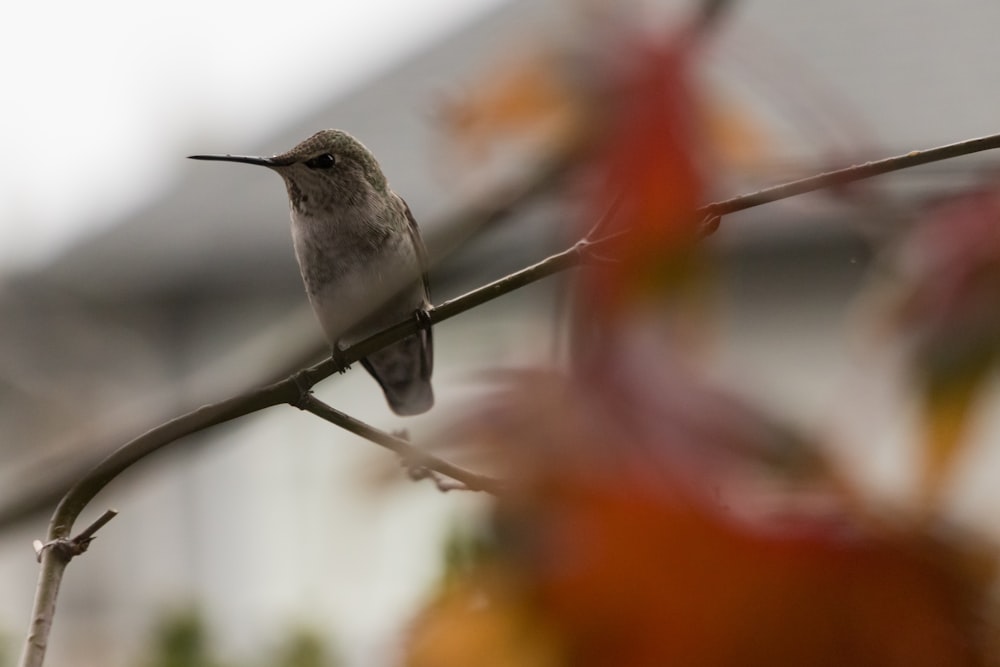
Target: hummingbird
{"x":361,"y":257}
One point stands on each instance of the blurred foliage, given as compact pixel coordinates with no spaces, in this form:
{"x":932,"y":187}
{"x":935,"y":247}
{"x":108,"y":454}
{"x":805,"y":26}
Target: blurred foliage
{"x":651,"y":517}
{"x":182,"y":639}
{"x":945,"y":290}
{"x":303,"y":648}
{"x":466,"y":548}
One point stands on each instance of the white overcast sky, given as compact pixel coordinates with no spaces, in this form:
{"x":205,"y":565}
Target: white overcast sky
{"x":101,"y":98}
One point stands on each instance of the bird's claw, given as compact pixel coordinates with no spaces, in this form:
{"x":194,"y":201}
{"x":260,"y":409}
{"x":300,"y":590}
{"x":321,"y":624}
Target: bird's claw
{"x":423,"y":317}
{"x":340,"y":363}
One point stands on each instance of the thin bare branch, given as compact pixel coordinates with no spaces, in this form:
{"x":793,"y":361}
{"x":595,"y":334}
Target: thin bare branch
{"x":88,"y":533}
{"x":50,"y":576}
{"x":851,"y":174}
{"x":412,"y":456}
{"x":290,"y":390}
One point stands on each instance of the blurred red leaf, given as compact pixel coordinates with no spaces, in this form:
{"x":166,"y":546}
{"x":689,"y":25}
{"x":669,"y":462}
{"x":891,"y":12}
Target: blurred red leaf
{"x":648,"y":151}
{"x":951,"y":267}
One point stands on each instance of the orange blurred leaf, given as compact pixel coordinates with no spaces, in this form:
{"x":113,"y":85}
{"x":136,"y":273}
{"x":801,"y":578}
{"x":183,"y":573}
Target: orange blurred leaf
{"x":482,"y":621}
{"x":735,"y":136}
{"x":525,"y":100}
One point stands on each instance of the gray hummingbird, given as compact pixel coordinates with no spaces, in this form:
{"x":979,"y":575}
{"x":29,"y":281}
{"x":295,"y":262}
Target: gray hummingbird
{"x":361,"y":257}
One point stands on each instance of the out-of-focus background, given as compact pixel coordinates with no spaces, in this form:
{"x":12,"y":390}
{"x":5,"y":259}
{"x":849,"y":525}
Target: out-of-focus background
{"x":135,"y":285}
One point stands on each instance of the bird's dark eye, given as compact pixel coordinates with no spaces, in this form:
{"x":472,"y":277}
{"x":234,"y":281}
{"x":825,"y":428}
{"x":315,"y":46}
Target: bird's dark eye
{"x":324,"y":161}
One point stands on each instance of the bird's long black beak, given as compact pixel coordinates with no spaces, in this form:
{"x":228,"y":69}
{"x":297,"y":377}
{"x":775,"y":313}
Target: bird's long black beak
{"x":246,"y":159}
